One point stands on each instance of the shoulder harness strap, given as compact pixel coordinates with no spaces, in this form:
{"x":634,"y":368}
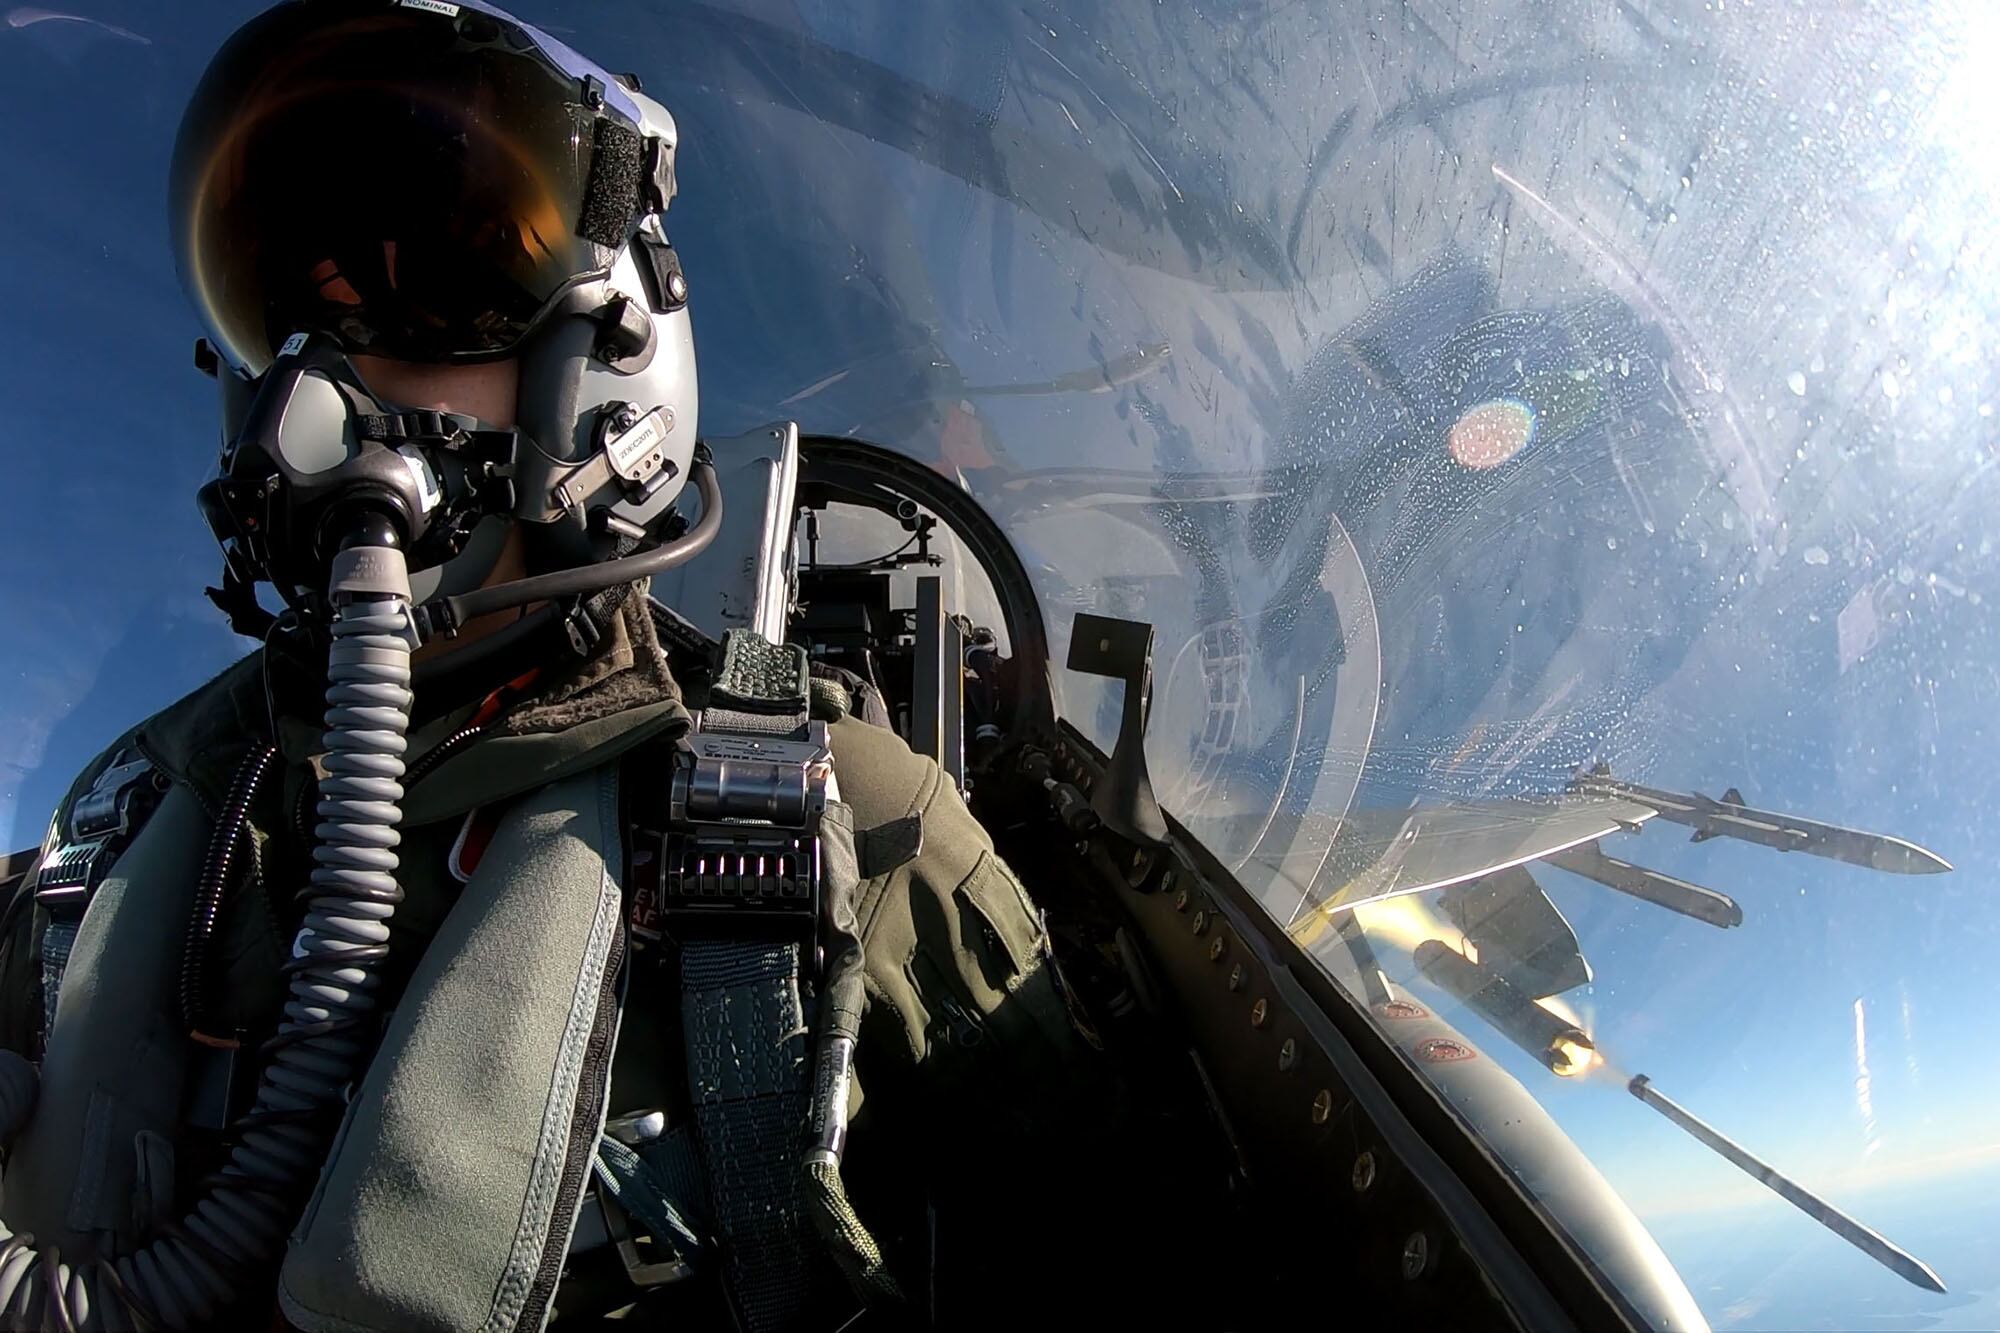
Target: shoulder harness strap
{"x":753,"y":889}
{"x":86,"y":840}
{"x":739,"y":892}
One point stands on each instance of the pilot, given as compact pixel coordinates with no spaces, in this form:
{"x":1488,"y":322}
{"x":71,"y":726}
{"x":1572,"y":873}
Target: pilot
{"x":368,"y":986}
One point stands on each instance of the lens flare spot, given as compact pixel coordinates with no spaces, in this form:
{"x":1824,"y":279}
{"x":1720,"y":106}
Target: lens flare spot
{"x":1491,"y":433}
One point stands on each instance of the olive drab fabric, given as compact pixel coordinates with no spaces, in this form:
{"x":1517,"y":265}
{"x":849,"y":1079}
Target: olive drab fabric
{"x":958,"y":996}
{"x":445,"y":1191}
{"x":954,"y":947}
{"x":118,"y":1056}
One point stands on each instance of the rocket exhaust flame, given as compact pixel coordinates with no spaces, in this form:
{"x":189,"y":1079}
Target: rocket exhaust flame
{"x":1572,"y":1057}
{"x":1564,"y":1010}
{"x":1551,"y":1038}
{"x":1405,"y":922}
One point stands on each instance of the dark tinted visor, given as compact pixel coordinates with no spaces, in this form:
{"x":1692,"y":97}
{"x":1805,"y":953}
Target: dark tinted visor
{"x":405,"y":181}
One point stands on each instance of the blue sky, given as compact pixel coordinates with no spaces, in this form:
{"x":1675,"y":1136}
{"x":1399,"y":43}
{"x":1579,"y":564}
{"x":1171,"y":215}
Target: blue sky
{"x":1760,"y":561}
{"x":110,"y":430}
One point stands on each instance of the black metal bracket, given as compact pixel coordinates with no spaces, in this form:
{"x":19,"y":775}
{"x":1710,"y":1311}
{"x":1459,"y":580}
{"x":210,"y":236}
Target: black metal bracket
{"x":1123,"y":650}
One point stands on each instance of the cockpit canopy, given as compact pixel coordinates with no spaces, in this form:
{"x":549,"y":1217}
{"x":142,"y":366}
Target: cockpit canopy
{"x":1495,"y":410}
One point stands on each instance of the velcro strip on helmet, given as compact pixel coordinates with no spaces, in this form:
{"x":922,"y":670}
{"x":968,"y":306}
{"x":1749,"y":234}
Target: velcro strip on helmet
{"x":611,"y":196}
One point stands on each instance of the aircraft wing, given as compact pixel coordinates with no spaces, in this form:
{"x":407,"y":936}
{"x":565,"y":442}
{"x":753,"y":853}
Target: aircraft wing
{"x":1388,"y":854}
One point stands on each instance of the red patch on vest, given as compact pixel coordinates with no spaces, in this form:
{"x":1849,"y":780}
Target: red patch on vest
{"x":476,"y":833}
{"x":474,"y":836}
{"x":491,"y":706}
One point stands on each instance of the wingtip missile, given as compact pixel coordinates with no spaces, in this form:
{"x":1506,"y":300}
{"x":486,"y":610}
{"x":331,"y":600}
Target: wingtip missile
{"x":1870,"y":1242}
{"x":1729,"y":817}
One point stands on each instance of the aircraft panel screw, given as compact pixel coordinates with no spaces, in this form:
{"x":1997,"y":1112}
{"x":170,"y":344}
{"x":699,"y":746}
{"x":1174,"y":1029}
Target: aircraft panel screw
{"x":1322,"y":1106}
{"x":1416,"y":1256}
{"x":1215,"y":949}
{"x":1236,"y":977}
{"x":1260,"y":1013}
{"x":1288,"y":1056}
{"x":1363,"y":1178}
{"x":1201,"y":922}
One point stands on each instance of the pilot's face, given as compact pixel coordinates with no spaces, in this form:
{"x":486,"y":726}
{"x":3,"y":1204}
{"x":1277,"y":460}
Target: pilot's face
{"x":489,"y":392}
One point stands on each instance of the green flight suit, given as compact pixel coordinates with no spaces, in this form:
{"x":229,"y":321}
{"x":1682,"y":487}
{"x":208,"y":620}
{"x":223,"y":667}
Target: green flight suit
{"x":964,"y":1031}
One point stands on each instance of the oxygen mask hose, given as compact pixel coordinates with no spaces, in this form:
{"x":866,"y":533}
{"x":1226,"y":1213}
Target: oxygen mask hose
{"x":188,"y":1275}
{"x":451,"y":612}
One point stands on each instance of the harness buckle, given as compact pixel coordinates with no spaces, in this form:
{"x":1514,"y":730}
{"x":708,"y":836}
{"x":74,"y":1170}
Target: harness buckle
{"x":99,"y":824}
{"x":741,"y":853}
{"x":91,"y":836}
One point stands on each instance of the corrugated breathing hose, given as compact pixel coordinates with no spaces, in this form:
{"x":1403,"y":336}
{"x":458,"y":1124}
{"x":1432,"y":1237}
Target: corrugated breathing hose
{"x":192,"y":1271}
{"x":186,"y":1276}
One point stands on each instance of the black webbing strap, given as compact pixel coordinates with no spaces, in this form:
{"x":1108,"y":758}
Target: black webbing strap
{"x":748,"y":1049}
{"x":58,"y":938}
{"x":743,"y":1025}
